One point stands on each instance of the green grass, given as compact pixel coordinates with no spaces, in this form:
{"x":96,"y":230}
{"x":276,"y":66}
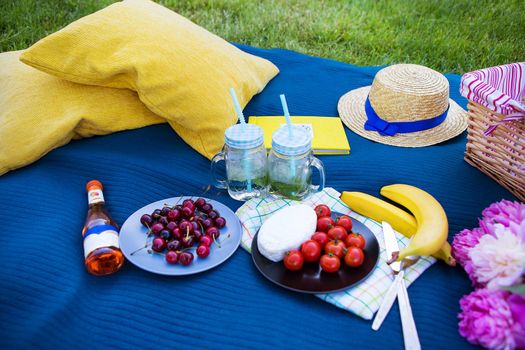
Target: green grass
{"x":450,"y":36}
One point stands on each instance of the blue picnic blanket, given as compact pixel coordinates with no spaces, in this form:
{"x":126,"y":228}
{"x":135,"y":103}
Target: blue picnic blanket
{"x":47,"y":300}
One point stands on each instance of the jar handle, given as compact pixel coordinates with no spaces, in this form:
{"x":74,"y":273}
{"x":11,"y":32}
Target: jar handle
{"x":216,"y":181}
{"x":316,"y":163}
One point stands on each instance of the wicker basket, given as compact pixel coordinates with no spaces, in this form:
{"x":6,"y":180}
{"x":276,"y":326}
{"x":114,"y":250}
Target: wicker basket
{"x":500,"y":154}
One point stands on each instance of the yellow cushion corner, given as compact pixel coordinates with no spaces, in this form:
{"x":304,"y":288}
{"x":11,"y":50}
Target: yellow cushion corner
{"x":41,"y":112}
{"x":180,"y":71}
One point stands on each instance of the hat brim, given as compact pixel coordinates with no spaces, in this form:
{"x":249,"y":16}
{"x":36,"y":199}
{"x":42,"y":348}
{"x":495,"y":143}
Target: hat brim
{"x":351,"y":109}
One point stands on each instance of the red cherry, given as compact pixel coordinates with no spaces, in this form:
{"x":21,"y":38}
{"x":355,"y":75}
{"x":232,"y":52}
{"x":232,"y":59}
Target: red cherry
{"x":188,"y":212}
{"x":172,"y":257}
{"x":185,"y":258}
{"x":206,"y":240}
{"x":176,"y":234}
{"x":203,"y":251}
{"x":213,"y":232}
{"x":157,"y":228}
{"x":220,"y":222}
{"x":158,"y":244}
{"x":173,"y":215}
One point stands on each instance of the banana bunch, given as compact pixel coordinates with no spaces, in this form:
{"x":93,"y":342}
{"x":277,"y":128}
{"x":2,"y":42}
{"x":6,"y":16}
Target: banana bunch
{"x":429,"y":225}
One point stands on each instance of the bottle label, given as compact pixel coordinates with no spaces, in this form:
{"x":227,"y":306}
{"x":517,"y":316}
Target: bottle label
{"x":100,"y":236}
{"x":95,"y":196}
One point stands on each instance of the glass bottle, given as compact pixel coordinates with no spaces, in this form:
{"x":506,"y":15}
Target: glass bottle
{"x":101,"y":246}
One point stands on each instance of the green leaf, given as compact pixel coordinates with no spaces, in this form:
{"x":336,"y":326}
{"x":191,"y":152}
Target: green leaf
{"x":519,"y":289}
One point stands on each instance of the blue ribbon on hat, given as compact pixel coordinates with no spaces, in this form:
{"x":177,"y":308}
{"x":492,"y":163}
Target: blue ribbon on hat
{"x":375,"y":123}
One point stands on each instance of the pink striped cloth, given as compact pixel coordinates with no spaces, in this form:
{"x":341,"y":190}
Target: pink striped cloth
{"x":500,"y":88}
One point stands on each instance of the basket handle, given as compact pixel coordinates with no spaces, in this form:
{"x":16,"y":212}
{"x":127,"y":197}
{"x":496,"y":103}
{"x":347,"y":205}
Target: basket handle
{"x":509,"y":118}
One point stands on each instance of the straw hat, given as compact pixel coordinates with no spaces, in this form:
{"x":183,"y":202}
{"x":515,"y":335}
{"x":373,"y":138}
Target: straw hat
{"x":407,"y":105}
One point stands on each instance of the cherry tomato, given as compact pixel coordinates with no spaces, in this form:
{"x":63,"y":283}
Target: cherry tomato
{"x":335,"y":247}
{"x":321,"y":238}
{"x":346,"y":222}
{"x":322,"y":210}
{"x":354,"y":257}
{"x":311,"y":250}
{"x":337,"y":232}
{"x":293,"y":260}
{"x":355,"y":240}
{"x":330,"y":263}
{"x":325,"y":223}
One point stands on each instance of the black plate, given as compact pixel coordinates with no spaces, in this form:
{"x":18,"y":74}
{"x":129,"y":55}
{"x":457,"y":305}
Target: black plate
{"x":311,"y":279}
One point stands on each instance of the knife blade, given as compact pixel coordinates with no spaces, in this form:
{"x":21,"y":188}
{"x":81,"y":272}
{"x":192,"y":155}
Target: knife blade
{"x":391,"y":245}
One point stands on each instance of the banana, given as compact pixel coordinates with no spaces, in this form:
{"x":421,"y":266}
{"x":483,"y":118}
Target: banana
{"x":432,"y":230}
{"x":445,"y":253}
{"x":379,"y":210}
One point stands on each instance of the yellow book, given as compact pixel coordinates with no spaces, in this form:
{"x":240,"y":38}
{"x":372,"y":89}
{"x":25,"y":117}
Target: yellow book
{"x":328,"y":133}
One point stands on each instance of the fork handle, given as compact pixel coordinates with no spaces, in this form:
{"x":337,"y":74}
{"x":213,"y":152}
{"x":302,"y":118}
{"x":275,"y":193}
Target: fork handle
{"x":408,"y":324}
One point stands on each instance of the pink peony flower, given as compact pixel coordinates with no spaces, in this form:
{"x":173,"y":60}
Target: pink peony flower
{"x":463,"y":242}
{"x":486,"y":319}
{"x":517,"y":307}
{"x":509,"y":214}
{"x":499,"y":260}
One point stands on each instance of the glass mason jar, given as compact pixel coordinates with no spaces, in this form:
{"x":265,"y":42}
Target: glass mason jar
{"x":290,"y":164}
{"x":245,"y":158}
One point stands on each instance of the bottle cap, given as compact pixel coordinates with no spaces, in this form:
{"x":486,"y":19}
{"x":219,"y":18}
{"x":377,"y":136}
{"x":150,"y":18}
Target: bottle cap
{"x":244,"y":136}
{"x":93,"y":184}
{"x":299,"y":143}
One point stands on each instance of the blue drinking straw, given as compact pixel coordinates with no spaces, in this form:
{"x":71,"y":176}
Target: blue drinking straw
{"x":240,"y":115}
{"x":287,"y":115}
{"x":290,"y":129}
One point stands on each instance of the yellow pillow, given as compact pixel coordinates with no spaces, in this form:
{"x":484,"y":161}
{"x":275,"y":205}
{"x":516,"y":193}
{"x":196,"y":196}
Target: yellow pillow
{"x":40,"y":112}
{"x":181,"y":71}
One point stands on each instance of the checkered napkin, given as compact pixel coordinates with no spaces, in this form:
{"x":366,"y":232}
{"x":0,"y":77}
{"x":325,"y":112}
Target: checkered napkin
{"x":364,"y":298}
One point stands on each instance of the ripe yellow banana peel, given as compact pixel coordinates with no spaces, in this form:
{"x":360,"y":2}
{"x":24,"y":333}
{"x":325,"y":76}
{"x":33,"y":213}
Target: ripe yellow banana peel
{"x":432,"y":222}
{"x":380,"y":210}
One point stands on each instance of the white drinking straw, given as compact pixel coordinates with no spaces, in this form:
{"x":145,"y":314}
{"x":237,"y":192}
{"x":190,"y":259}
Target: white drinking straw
{"x":290,"y":129}
{"x":240,"y":115}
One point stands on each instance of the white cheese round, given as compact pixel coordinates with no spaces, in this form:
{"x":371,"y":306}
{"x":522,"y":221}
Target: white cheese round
{"x":285,"y":230}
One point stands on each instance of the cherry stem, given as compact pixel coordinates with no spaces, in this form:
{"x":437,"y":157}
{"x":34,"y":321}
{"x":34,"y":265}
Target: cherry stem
{"x":138,"y":250}
{"x":154,"y":252}
{"x":145,"y":243}
{"x":216,"y":241}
